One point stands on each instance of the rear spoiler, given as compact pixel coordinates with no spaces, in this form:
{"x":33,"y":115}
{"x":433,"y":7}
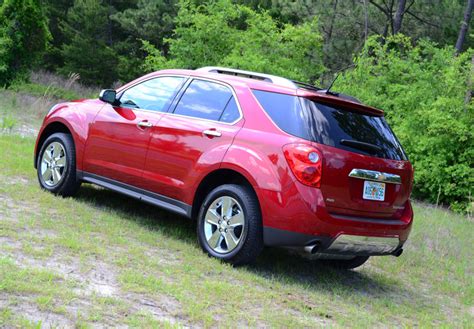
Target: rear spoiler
{"x":347,"y":102}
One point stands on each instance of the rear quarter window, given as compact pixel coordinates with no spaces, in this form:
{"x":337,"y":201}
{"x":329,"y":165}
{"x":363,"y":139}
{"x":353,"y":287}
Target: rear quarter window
{"x":285,"y":111}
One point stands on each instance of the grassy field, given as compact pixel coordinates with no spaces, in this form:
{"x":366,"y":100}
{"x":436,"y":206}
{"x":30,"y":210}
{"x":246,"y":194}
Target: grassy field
{"x":101,"y":259}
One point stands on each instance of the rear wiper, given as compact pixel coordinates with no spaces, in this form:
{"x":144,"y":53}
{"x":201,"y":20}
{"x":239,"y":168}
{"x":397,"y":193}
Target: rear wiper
{"x":370,"y":148}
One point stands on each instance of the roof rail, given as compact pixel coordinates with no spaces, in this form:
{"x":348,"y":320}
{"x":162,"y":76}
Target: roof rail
{"x":307,"y":85}
{"x":251,"y":75}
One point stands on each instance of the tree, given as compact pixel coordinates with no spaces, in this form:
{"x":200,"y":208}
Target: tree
{"x":87,"y":50}
{"x":422,"y":87}
{"x":19,"y":47}
{"x":151,"y":20}
{"x":464,"y":26}
{"x":397,"y":22}
{"x":223,"y":33}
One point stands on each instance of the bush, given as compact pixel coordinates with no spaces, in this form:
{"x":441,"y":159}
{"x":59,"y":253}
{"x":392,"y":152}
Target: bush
{"x":422,"y":89}
{"x":227,"y":34}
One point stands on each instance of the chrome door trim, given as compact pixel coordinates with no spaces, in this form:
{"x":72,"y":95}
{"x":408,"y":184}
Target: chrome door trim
{"x":212,"y":133}
{"x":375,"y":176}
{"x":145,"y":124}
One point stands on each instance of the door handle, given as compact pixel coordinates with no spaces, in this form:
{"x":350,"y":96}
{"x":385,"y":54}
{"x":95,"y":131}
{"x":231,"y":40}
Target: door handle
{"x":212,"y":133}
{"x":145,"y":124}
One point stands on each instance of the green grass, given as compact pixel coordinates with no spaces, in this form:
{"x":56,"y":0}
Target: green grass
{"x":55,"y":254}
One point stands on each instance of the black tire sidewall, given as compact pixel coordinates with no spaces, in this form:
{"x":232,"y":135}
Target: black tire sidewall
{"x":69,"y":175}
{"x":236,"y":192}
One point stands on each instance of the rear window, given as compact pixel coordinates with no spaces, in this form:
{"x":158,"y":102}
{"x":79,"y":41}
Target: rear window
{"x":331,"y":125}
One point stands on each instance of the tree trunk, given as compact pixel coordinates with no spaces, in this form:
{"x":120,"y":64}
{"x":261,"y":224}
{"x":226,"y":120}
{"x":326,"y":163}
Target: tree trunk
{"x":366,"y":18}
{"x":468,"y":97}
{"x":464,"y":26}
{"x":397,"y":24}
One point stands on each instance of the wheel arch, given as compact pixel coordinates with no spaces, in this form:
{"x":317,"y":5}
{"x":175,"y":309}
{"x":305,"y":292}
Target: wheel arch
{"x":51,"y":128}
{"x":217,"y":178}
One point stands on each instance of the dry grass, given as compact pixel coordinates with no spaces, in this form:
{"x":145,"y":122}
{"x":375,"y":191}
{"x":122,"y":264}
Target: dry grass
{"x":24,"y":105}
{"x":71,"y":83}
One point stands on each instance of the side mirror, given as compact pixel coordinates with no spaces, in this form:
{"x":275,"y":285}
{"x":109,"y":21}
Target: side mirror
{"x":108,"y":96}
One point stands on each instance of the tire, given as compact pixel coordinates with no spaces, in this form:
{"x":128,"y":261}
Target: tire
{"x":62,"y":173}
{"x":245,"y":209}
{"x":345,"y":264}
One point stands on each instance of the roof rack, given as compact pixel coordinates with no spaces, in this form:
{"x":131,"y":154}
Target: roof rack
{"x":251,"y":75}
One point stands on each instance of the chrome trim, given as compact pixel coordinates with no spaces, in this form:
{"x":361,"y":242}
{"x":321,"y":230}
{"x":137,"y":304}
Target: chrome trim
{"x":249,"y":74}
{"x":213,"y":133}
{"x":365,"y":245}
{"x":145,"y":124}
{"x":375,"y":176}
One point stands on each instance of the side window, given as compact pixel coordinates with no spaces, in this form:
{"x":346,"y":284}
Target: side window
{"x":285,"y":111}
{"x":231,"y":112}
{"x":154,"y":94}
{"x":207,"y":100}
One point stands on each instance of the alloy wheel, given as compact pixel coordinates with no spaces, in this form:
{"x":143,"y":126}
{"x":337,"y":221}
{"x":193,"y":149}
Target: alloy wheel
{"x":224,"y":224}
{"x":53,"y":164}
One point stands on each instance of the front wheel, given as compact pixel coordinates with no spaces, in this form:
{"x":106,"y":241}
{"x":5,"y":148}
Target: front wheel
{"x":230,"y":224}
{"x":56,"y":166}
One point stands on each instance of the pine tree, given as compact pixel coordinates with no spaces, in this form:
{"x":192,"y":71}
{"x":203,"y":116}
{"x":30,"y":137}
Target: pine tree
{"x":88,"y":47}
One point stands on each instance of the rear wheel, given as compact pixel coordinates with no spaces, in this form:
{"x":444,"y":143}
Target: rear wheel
{"x":56,"y":166}
{"x":230,"y":225}
{"x":345,"y":264}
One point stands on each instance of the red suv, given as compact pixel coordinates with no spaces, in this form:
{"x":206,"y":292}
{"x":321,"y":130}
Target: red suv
{"x":258,"y":160}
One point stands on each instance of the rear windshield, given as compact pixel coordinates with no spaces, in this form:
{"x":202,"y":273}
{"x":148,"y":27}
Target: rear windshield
{"x":331,"y":125}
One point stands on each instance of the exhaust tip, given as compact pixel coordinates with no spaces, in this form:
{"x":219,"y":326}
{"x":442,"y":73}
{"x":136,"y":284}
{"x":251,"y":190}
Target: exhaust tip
{"x":312,"y":248}
{"x":398,"y":253}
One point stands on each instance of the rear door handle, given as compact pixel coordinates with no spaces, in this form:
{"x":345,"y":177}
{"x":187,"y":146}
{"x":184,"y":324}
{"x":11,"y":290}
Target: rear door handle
{"x":145,"y":124}
{"x":212,"y":133}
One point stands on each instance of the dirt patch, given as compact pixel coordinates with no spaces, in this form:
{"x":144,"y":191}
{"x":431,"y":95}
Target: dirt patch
{"x":22,"y":306}
{"x":92,"y":278}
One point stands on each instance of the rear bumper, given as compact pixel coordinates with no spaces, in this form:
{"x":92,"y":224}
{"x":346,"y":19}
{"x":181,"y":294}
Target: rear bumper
{"x":299,"y":218}
{"x":344,"y":244}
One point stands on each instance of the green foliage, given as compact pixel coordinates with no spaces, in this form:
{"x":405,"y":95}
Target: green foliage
{"x":88,"y":51}
{"x":24,"y":35}
{"x":422,"y":89}
{"x":223,"y":33}
{"x":343,"y":22}
{"x":150,"y":20}
{"x":8,"y":122}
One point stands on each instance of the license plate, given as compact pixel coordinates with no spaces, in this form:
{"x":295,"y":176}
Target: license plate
{"x":374,"y":191}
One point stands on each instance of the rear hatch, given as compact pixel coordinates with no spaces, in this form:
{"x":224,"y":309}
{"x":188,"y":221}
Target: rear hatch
{"x":365,"y":170}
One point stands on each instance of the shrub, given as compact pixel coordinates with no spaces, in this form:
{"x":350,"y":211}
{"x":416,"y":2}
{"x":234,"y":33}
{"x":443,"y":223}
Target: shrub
{"x":227,"y":34}
{"x":422,"y":89}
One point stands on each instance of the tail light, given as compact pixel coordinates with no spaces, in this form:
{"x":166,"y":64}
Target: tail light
{"x":305,"y":162}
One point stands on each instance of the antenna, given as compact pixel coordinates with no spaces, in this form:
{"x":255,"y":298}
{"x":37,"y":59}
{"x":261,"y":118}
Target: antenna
{"x":328,"y":90}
